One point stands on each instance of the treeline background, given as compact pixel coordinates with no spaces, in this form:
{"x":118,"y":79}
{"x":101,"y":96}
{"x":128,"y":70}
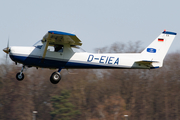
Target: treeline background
{"x":87,"y":94}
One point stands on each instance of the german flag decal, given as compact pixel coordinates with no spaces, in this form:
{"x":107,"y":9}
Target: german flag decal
{"x":160,"y":39}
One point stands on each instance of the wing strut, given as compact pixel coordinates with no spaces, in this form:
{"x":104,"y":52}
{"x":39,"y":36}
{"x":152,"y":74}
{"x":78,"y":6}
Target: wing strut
{"x":45,"y":50}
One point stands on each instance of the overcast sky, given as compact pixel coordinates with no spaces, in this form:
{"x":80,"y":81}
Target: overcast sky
{"x":97,"y":23}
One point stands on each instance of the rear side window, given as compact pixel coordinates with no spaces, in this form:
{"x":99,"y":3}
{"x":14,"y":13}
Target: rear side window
{"x":58,"y":48}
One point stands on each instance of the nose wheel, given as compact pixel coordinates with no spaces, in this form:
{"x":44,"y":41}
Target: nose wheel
{"x":20,"y":75}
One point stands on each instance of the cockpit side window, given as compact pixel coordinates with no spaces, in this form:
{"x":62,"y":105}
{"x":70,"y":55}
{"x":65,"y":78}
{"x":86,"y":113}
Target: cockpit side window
{"x":58,"y":48}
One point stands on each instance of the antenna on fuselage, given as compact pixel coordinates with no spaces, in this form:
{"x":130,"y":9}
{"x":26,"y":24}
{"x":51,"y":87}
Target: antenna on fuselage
{"x":99,"y":51}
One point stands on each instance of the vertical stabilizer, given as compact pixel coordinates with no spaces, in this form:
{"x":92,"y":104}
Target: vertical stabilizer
{"x":158,"y":49}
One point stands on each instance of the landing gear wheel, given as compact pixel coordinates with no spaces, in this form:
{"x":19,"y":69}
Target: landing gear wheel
{"x":55,"y":77}
{"x":20,"y":76}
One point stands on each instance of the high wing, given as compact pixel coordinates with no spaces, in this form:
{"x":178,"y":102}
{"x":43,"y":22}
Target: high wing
{"x":59,"y":38}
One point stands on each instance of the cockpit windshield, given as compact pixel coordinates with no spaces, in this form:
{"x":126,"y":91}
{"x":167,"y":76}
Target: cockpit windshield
{"x":38,"y":44}
{"x":77,"y":49}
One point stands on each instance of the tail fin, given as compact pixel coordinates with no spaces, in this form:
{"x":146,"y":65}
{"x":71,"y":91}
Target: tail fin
{"x":158,"y":49}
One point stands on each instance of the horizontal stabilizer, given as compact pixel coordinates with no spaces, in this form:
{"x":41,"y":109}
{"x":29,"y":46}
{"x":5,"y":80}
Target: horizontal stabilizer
{"x":146,"y":62}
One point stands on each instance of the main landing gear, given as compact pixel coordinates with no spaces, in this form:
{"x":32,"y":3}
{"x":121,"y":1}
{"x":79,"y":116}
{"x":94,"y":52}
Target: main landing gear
{"x":55,"y":77}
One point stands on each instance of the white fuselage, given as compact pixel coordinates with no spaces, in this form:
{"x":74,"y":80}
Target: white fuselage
{"x":32,"y":56}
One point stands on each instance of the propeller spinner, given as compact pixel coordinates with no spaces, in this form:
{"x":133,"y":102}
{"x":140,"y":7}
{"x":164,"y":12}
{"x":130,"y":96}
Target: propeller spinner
{"x":7,"y":50}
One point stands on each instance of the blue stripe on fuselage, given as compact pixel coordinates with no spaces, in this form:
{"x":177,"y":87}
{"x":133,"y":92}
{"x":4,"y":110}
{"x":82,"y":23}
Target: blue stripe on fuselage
{"x":18,"y":58}
{"x":35,"y":61}
{"x":84,"y":65}
{"x":49,"y":63}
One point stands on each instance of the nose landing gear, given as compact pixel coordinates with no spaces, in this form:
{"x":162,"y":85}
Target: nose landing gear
{"x":20,"y":75}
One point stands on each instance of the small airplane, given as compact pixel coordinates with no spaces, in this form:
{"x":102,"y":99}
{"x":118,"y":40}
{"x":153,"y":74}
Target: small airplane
{"x":61,"y":50}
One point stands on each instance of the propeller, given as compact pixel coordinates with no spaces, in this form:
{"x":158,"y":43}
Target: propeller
{"x":7,"y":50}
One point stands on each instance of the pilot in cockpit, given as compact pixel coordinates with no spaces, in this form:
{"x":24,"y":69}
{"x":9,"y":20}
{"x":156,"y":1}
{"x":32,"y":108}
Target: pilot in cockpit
{"x":58,"y":48}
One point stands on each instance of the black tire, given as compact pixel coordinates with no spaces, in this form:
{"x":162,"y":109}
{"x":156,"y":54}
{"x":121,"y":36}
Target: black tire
{"x":55,"y":77}
{"x":19,"y":77}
